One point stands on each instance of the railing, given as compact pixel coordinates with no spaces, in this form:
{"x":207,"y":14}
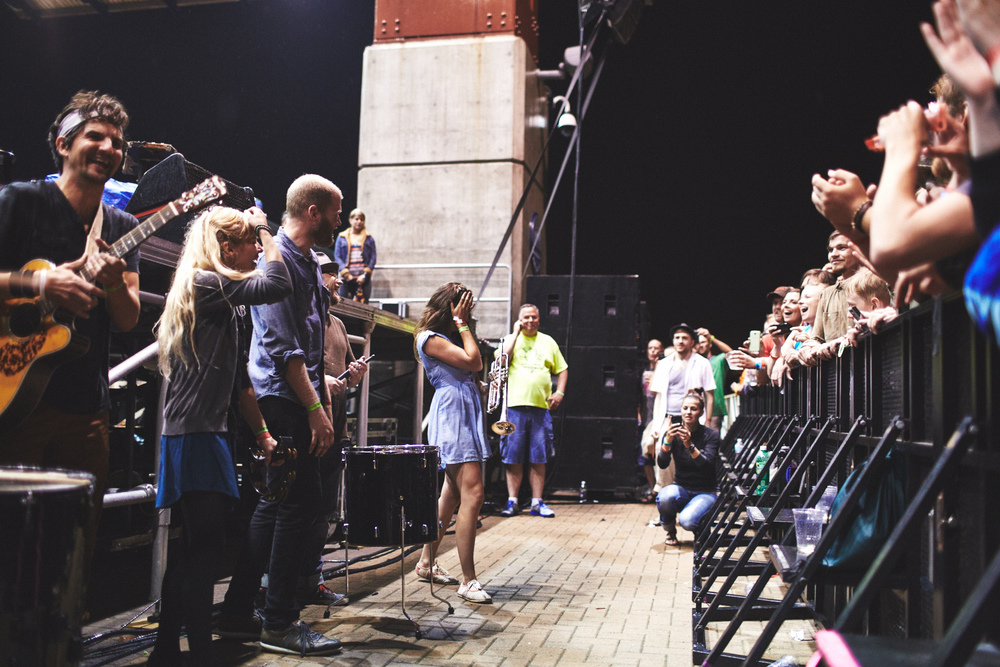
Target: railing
{"x":932,"y":367}
{"x":423,"y":297}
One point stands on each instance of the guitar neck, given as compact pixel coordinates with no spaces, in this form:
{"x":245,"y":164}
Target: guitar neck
{"x":138,"y":235}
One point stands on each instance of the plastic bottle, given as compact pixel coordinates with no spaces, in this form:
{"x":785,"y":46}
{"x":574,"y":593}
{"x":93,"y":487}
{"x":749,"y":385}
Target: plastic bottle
{"x":759,"y":464}
{"x":752,"y":376}
{"x":583,"y":491}
{"x":738,"y":447}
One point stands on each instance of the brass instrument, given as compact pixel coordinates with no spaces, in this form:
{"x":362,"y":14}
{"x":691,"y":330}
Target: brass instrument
{"x":498,"y":393}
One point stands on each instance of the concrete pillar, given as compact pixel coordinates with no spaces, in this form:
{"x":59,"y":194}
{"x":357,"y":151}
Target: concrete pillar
{"x":450,"y":129}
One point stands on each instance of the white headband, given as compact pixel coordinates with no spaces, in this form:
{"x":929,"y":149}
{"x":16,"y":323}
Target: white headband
{"x":73,"y":120}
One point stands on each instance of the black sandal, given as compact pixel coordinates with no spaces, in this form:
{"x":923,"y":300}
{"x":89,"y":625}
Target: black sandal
{"x":671,"y":541}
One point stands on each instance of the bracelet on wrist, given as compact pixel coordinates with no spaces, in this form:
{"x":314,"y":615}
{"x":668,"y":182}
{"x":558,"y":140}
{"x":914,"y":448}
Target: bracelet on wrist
{"x":261,"y":437}
{"x":315,"y":406}
{"x":559,"y":392}
{"x":263,"y":429}
{"x":117,"y":286}
{"x":859,"y":216}
{"x":257,"y":230}
{"x":20,"y":284}
{"x":463,"y":328}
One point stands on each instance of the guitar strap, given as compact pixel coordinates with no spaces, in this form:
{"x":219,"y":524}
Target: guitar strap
{"x":95,"y":231}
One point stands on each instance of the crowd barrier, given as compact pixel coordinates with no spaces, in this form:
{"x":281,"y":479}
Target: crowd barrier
{"x":918,"y":398}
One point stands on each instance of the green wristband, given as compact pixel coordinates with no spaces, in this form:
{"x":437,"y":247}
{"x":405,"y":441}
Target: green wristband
{"x":315,"y":406}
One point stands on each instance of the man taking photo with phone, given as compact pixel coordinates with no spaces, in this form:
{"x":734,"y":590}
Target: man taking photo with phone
{"x":674,"y":378}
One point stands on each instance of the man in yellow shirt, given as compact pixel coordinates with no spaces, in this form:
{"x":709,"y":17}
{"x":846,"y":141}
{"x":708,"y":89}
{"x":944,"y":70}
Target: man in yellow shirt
{"x":534,"y":359}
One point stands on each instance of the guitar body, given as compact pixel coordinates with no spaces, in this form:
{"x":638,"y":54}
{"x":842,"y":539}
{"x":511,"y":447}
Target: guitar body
{"x":33,"y":342}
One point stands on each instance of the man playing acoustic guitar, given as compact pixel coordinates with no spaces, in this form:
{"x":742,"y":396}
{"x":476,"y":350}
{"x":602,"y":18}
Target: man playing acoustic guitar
{"x":65,"y":223}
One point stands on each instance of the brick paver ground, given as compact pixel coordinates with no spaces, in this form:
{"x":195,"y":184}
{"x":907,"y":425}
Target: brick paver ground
{"x":592,"y":586}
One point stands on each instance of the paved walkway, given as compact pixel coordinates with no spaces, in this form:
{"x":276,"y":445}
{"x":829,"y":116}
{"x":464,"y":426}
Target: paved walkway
{"x":594,"y":585}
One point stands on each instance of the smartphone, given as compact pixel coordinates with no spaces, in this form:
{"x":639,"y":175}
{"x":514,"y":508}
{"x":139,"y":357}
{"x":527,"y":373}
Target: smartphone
{"x":675,"y":419}
{"x":343,"y":376}
{"x":754,"y":342}
{"x":856,"y":314}
{"x":784,"y":329}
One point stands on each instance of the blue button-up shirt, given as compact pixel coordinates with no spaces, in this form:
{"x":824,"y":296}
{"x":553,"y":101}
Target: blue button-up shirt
{"x":293,"y":327}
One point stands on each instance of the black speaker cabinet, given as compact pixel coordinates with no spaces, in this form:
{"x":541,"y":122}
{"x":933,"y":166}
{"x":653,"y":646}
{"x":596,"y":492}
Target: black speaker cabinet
{"x":606,"y":309}
{"x":603,"y":382}
{"x":599,"y":451}
{"x":167,"y":181}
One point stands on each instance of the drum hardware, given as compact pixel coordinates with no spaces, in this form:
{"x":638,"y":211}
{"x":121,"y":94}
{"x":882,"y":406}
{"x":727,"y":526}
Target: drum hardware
{"x":498,"y":393}
{"x":381,"y":483}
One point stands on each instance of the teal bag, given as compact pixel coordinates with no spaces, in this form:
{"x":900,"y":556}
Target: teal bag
{"x":879,"y":510}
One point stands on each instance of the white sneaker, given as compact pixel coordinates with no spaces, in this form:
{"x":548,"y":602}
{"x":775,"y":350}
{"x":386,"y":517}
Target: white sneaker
{"x":473,"y":592}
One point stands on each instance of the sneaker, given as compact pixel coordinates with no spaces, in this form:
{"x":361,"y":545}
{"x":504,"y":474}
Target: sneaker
{"x":439,"y":574}
{"x":511,"y":509}
{"x":239,"y":628}
{"x":324,"y":596}
{"x":541,"y":509}
{"x":298,"y":639}
{"x":473,"y":592}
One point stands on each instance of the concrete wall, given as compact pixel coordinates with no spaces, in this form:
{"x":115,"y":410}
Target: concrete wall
{"x":450,"y":129}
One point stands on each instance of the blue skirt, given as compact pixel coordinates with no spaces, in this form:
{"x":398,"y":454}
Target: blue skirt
{"x":194,"y":462}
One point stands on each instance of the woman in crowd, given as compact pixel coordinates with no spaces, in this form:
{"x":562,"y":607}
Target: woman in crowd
{"x":199,"y":355}
{"x":694,"y":449}
{"x":455,"y":424}
{"x":355,"y":252}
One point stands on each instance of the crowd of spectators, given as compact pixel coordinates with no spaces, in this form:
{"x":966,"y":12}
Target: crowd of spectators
{"x":928,"y":225}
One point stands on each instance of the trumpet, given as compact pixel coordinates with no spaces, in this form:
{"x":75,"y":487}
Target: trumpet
{"x":498,"y":393}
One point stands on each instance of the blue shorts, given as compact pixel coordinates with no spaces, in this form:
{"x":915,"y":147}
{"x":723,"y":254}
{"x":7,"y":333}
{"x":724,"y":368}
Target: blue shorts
{"x":532,"y":439}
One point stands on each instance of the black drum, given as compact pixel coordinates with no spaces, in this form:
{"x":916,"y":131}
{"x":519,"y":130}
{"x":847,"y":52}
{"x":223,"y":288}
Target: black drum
{"x":43,"y":522}
{"x":382,"y":481}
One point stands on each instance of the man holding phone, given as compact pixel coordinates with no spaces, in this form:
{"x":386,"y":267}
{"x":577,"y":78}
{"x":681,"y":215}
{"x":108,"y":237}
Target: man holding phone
{"x":672,"y":380}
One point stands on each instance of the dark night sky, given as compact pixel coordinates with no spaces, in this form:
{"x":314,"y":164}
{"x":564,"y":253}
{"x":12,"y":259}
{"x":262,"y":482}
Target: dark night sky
{"x":696,"y":153}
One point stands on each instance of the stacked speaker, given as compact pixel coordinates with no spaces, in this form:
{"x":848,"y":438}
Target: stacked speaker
{"x":602,"y":340}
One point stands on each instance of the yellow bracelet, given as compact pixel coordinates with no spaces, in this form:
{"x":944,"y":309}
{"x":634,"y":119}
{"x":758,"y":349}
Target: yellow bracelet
{"x":260,"y":430}
{"x":315,"y":406}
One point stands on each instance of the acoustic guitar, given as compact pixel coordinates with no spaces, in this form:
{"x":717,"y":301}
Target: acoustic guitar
{"x":36,"y":337}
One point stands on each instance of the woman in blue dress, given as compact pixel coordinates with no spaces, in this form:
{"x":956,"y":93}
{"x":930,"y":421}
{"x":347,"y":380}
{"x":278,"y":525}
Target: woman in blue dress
{"x":455,"y":424}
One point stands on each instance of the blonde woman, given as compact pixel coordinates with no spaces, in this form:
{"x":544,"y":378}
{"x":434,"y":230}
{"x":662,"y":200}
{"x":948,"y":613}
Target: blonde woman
{"x":455,"y":424}
{"x":199,"y":356}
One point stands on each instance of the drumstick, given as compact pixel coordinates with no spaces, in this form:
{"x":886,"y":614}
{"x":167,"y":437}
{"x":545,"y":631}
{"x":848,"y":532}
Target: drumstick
{"x":364,"y":360}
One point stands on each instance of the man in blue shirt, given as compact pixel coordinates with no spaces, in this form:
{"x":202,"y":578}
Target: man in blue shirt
{"x":286,"y":369}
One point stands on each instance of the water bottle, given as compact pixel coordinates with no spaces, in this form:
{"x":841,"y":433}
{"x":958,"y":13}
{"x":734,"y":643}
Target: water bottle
{"x":752,"y":374}
{"x":738,"y":447}
{"x":583,"y":491}
{"x":759,"y":464}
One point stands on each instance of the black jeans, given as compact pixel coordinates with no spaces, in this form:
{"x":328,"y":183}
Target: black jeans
{"x":279,"y":530}
{"x":188,"y":583}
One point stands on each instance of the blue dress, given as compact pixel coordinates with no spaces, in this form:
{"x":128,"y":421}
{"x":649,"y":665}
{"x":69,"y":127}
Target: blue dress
{"x":455,"y":422}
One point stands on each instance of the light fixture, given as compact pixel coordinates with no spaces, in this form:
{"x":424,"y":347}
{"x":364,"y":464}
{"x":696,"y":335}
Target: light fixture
{"x":566,"y":123}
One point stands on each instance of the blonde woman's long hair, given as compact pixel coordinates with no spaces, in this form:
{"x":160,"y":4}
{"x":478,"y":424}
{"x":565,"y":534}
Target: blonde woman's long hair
{"x":202,"y":252}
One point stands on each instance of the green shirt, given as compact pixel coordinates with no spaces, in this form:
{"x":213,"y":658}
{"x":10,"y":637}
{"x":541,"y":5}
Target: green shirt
{"x":533,"y":362}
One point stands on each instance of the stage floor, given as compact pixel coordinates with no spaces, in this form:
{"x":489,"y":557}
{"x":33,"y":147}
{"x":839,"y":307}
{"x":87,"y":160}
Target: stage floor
{"x":594,"y":585}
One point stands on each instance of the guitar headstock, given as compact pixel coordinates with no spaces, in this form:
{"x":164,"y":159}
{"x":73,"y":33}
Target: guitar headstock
{"x":203,"y":194}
